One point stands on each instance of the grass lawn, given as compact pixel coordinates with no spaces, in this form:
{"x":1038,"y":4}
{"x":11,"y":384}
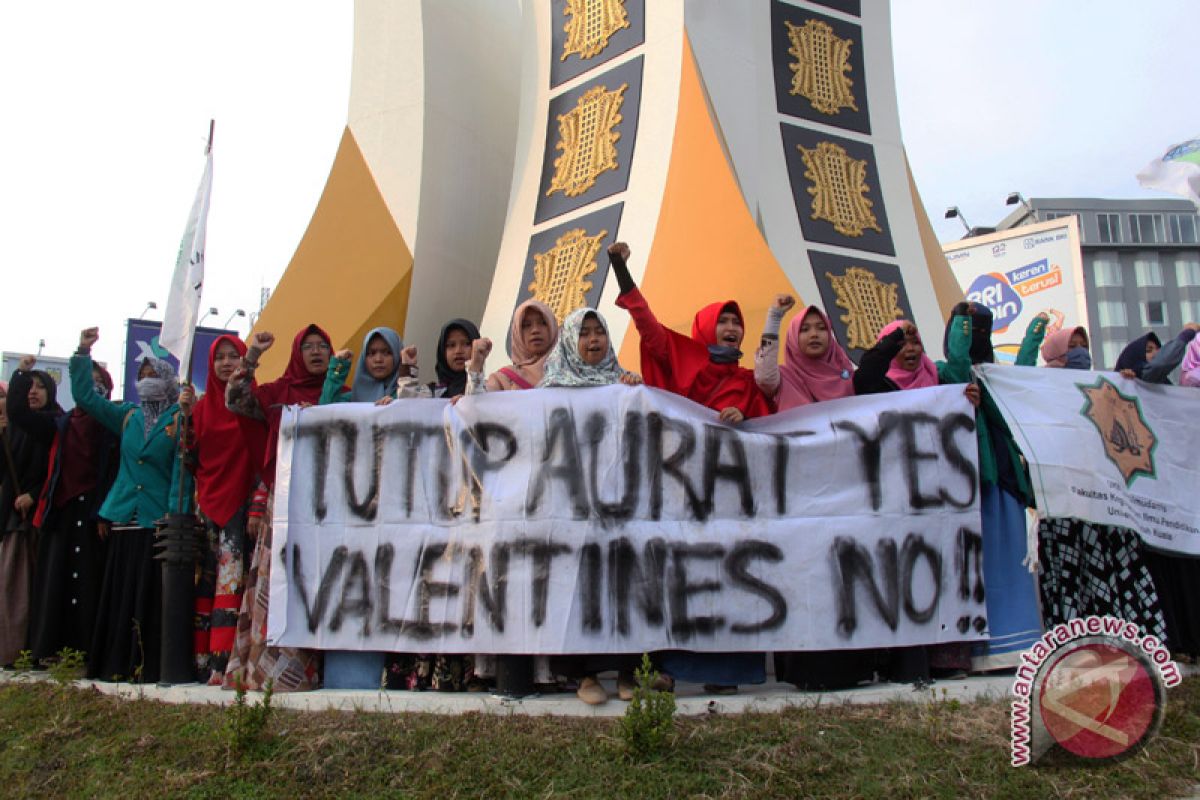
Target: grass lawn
{"x":60,"y":741}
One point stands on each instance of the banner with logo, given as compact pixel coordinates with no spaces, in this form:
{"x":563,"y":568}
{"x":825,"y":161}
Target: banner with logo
{"x":1107,"y":449}
{"x":1020,"y":273}
{"x":141,"y":342}
{"x":625,"y":520}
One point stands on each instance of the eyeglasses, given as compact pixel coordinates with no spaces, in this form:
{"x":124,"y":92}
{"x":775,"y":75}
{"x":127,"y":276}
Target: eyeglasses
{"x":314,"y":347}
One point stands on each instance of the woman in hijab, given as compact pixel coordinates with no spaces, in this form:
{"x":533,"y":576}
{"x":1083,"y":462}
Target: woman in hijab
{"x":253,"y":664}
{"x":1145,"y":358}
{"x":127,"y":637}
{"x":1191,"y":365}
{"x":1175,"y":577}
{"x":1014,"y":619}
{"x":898,"y":362}
{"x":532,"y":337}
{"x":1067,"y":348}
{"x":584,"y":357}
{"x":70,"y":562}
{"x":22,"y":473}
{"x":375,"y":378}
{"x":226,"y":467}
{"x":815,"y":367}
{"x":533,"y":334}
{"x":703,"y":368}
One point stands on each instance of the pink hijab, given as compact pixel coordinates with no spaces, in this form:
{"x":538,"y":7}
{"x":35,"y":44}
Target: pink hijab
{"x":805,"y":380}
{"x":1191,"y":364}
{"x":924,"y":375}
{"x":526,"y":365}
{"x":1057,"y":344}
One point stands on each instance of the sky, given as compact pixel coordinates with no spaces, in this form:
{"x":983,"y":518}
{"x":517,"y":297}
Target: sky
{"x":105,"y":110}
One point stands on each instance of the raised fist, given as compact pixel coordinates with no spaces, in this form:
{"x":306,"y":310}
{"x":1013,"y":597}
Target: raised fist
{"x":480,"y":349}
{"x":620,"y":250}
{"x":262,"y":341}
{"x":88,"y":337}
{"x":344,"y":355}
{"x":408,"y":356}
{"x":784,"y":301}
{"x":27,"y":363}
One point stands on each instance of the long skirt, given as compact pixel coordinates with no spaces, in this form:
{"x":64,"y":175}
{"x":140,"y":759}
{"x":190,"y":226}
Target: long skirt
{"x":128,"y":634}
{"x":66,"y":586}
{"x":815,"y":670}
{"x":1014,"y":619}
{"x":218,"y":596}
{"x":18,"y":554}
{"x":722,"y":669}
{"x":1177,"y":579}
{"x":1096,"y":570}
{"x":253,"y":664}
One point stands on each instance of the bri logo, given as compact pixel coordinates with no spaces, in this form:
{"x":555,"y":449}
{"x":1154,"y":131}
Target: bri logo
{"x":993,"y":290}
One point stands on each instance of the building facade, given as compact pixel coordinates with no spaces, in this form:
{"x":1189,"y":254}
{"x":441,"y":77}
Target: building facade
{"x":1141,"y":265}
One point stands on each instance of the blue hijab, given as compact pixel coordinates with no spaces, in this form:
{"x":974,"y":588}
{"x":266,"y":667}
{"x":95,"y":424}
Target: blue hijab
{"x":367,"y":389}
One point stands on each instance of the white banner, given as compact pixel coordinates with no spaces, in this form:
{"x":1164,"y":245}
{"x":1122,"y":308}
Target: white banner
{"x":1107,"y":449}
{"x":624,"y":520}
{"x":182,"y":314}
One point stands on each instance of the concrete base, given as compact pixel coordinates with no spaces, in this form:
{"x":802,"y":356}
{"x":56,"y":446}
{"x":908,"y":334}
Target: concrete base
{"x":690,"y":699}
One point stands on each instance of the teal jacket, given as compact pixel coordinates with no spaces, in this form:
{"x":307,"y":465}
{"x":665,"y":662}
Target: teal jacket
{"x":147,"y":484}
{"x":957,"y":369}
{"x":335,"y":382}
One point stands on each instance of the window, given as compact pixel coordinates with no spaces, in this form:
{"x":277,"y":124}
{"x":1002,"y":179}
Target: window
{"x":1146,"y":228}
{"x":1187,"y":271}
{"x":1148,"y":272}
{"x":1049,"y":215}
{"x":1181,"y":228}
{"x":1110,"y":228}
{"x":1112,"y":314}
{"x":1154,"y":313}
{"x":1190,"y":311}
{"x":1112,"y":351}
{"x":1107,"y":271}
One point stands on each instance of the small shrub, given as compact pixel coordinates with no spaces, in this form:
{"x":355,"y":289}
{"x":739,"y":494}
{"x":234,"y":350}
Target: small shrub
{"x":245,"y":724}
{"x":24,"y":662}
{"x":650,"y":717}
{"x":68,"y":666}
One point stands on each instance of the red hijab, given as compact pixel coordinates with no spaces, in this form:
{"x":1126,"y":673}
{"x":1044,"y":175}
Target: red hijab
{"x":696,"y":376}
{"x":925,"y":374}
{"x":228,"y":454}
{"x":805,"y":380}
{"x":297,"y":385}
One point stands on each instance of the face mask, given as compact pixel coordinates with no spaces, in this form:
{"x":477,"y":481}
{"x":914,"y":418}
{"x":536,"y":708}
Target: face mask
{"x":100,"y":388}
{"x":152,"y":389}
{"x":1079,"y":358}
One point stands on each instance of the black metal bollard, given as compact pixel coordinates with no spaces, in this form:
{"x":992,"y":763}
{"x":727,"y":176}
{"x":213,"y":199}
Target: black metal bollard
{"x":178,"y":540}
{"x":514,"y":675}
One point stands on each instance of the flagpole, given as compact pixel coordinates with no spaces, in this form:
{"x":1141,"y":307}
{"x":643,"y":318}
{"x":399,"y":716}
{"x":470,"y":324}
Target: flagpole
{"x":179,"y":536}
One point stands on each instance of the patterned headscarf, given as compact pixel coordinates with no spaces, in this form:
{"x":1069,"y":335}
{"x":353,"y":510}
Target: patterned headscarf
{"x":565,"y":366}
{"x":165,"y":391}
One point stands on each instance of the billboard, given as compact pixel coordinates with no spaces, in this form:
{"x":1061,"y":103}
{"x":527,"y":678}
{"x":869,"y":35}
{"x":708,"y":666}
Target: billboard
{"x":56,"y":366}
{"x":1019,"y":273}
{"x":141,"y":341}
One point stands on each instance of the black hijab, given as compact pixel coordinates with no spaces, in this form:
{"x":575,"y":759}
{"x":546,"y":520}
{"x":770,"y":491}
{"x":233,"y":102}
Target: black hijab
{"x":981,"y":332}
{"x":453,"y":382}
{"x":1134,"y":355}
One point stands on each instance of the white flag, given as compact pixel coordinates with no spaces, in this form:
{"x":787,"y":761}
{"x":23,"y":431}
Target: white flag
{"x":1177,"y":171}
{"x":187,"y":285}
